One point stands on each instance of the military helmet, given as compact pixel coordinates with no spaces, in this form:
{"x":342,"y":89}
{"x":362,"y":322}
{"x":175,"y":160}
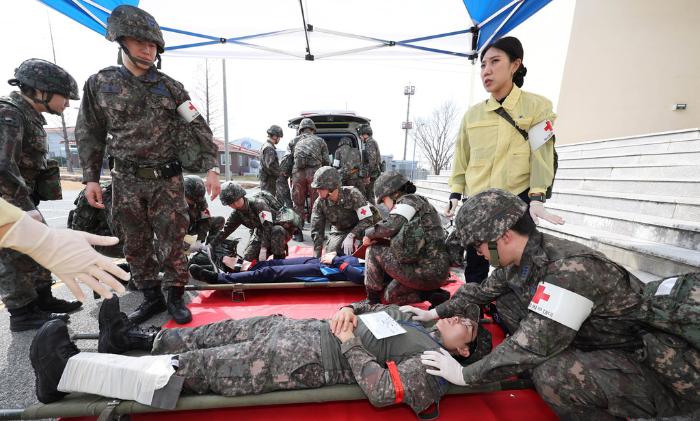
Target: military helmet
{"x":45,"y":76}
{"x":365,"y":129}
{"x":130,"y":21}
{"x":230,"y":192}
{"x":484,"y":217}
{"x":388,"y":184}
{"x":194,"y":187}
{"x":326,"y":178}
{"x":307,"y":123}
{"x":275,"y":130}
{"x":345,"y":141}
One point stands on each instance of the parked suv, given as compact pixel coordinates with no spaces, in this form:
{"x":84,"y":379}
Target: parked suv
{"x":333,"y":126}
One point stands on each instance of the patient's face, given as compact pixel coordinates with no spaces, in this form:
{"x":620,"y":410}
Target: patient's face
{"x":456,"y":332}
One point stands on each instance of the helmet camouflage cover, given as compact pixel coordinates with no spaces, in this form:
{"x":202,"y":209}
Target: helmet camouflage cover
{"x":230,"y":192}
{"x":194,"y":187}
{"x":326,"y":178}
{"x":130,"y":21}
{"x":307,"y":123}
{"x":345,"y":141}
{"x":365,"y":129}
{"x":45,"y":76}
{"x":275,"y":130}
{"x":486,"y":216}
{"x":388,"y":184}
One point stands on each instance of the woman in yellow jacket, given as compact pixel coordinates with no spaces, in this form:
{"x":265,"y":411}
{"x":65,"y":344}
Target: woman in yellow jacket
{"x":491,"y":152}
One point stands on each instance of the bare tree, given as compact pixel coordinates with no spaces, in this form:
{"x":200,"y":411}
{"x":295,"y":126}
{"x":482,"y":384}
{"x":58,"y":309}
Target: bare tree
{"x":435,"y":136}
{"x":207,"y":95}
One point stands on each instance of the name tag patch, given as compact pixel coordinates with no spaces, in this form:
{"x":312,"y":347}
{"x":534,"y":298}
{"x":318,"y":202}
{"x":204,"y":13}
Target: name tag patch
{"x":561,"y":305}
{"x":540,"y":133}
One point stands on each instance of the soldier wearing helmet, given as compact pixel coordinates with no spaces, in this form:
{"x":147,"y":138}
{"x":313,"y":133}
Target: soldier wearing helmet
{"x":26,"y":178}
{"x":344,"y":208}
{"x":202,"y":224}
{"x":150,"y":127}
{"x":348,"y":160}
{"x":310,"y":153}
{"x":269,"y":164}
{"x":372,"y":161}
{"x":573,"y":321}
{"x":255,"y":214}
{"x":414,"y":259}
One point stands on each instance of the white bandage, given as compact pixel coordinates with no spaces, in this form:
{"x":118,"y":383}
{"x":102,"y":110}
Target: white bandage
{"x":561,"y":305}
{"x":265,"y":216}
{"x":187,"y":111}
{"x":363,"y":212}
{"x":540,"y":133}
{"x":336,"y":163}
{"x":117,"y":376}
{"x":407,"y":211}
{"x":666,"y":286}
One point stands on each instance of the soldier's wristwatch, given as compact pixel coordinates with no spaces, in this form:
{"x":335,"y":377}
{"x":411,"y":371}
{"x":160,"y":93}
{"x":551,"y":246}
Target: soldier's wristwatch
{"x":216,"y":170}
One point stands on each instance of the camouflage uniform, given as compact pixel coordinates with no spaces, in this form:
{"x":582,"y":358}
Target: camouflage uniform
{"x":343,"y":216}
{"x":614,"y":365}
{"x":348,"y":160}
{"x":263,"y":354}
{"x":373,"y":166}
{"x":310,"y":153}
{"x":270,"y":168}
{"x":202,"y":224}
{"x":284,"y":194}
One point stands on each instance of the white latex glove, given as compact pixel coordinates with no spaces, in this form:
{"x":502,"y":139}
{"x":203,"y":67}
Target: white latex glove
{"x":451,"y":207}
{"x":447,"y":367}
{"x":196,"y":246}
{"x":35,"y":215}
{"x":420,"y":315}
{"x":68,"y":254}
{"x":538,"y":211}
{"x":349,"y":244}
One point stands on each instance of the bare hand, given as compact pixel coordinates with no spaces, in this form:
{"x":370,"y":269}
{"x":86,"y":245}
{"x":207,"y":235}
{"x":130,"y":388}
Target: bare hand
{"x":366,"y":241}
{"x":327,"y":258}
{"x":537,"y":211}
{"x":345,"y":335}
{"x":451,"y":207}
{"x":213,"y":185}
{"x":93,"y":194}
{"x":343,"y":320}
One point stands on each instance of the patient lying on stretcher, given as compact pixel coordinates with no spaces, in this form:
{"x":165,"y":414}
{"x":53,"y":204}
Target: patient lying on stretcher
{"x":330,"y":267}
{"x":258,"y":355}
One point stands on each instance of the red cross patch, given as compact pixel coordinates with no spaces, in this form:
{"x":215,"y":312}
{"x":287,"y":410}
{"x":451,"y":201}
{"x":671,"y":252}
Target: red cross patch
{"x":540,"y":295}
{"x":548,"y":126}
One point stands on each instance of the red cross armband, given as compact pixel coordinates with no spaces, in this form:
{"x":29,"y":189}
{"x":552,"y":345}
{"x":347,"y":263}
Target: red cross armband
{"x":396,"y":380}
{"x":561,"y":305}
{"x":187,"y":111}
{"x":363,"y":212}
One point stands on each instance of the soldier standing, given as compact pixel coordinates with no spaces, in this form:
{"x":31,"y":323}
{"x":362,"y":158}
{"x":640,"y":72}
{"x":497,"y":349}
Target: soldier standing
{"x":415,"y":256}
{"x":139,"y":115}
{"x":348,"y":161}
{"x":344,"y":208}
{"x":372,"y":161}
{"x":25,"y":287}
{"x":577,"y":321}
{"x":270,"y":167}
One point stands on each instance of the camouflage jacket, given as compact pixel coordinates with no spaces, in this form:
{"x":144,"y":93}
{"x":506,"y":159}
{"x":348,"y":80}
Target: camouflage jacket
{"x":373,"y":164}
{"x":134,"y":119}
{"x":349,"y":162}
{"x":428,"y":226}
{"x":269,"y":164}
{"x":200,"y":220}
{"x":251,"y":217}
{"x":310,"y":151}
{"x":568,"y":265}
{"x":23,"y":149}
{"x":343,"y":216}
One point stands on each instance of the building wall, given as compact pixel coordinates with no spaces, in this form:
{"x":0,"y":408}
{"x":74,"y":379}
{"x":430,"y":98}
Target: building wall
{"x":628,"y":62}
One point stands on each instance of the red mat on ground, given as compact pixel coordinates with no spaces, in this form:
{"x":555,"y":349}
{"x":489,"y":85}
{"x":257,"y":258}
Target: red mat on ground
{"x":521,"y":405}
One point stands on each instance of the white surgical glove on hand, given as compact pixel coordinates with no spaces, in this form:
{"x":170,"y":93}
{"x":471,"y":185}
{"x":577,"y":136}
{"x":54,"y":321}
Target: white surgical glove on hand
{"x":196,"y":246}
{"x":68,"y":254}
{"x":447,"y":367}
{"x":349,"y":244}
{"x":420,"y":315}
{"x":537,"y":211}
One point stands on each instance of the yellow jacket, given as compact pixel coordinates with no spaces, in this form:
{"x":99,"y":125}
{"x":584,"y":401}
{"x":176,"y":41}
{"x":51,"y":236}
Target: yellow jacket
{"x":9,"y":214}
{"x":491,"y":153}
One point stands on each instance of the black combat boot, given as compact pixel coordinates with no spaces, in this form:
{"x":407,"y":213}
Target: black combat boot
{"x":176,"y":306}
{"x":152,"y":304}
{"x":200,"y":273}
{"x":47,"y":302}
{"x":298,"y":236}
{"x":49,"y":353}
{"x":435,"y":297}
{"x":117,"y":334}
{"x":30,"y":317}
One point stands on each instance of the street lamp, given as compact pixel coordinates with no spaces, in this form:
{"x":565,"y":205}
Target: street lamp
{"x":407,"y":125}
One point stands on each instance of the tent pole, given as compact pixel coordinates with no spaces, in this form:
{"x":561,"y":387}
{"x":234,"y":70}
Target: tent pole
{"x":227,"y":157}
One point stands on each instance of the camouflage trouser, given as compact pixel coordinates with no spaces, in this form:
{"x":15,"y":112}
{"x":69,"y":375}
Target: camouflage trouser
{"x":284,"y":195}
{"x":428,"y":273}
{"x":276,"y":245}
{"x":248,"y":356}
{"x":148,"y":208}
{"x":301,"y":188}
{"x":207,"y":227}
{"x":269,"y":185}
{"x":20,"y":277}
{"x":334,"y":242}
{"x":368,"y":190}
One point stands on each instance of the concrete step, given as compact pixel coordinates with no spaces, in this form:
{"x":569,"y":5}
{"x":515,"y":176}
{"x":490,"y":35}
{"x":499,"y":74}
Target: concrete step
{"x":640,"y":147}
{"x":684,"y":234}
{"x":682,"y":208}
{"x":611,"y":171}
{"x":667,"y":158}
{"x":648,"y":256}
{"x":645,"y":277}
{"x":442,"y":178}
{"x":662,"y":137}
{"x":647,"y":185}
{"x":432,"y":185}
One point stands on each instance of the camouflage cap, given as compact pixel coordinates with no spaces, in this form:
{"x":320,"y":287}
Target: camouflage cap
{"x":326,"y":178}
{"x":388,"y":184}
{"x":275,"y":130}
{"x":487,"y":215}
{"x":130,"y":21}
{"x":365,"y":129}
{"x":230,"y":192}
{"x":345,"y":141}
{"x":194,"y":188}
{"x":307,"y":123}
{"x":45,"y":76}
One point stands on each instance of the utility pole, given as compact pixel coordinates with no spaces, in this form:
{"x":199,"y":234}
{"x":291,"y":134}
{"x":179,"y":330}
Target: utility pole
{"x":227,"y":158}
{"x":407,"y":125}
{"x":69,"y":161}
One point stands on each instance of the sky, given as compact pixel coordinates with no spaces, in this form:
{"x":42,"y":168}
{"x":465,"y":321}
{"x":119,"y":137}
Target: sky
{"x":266,"y":88}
